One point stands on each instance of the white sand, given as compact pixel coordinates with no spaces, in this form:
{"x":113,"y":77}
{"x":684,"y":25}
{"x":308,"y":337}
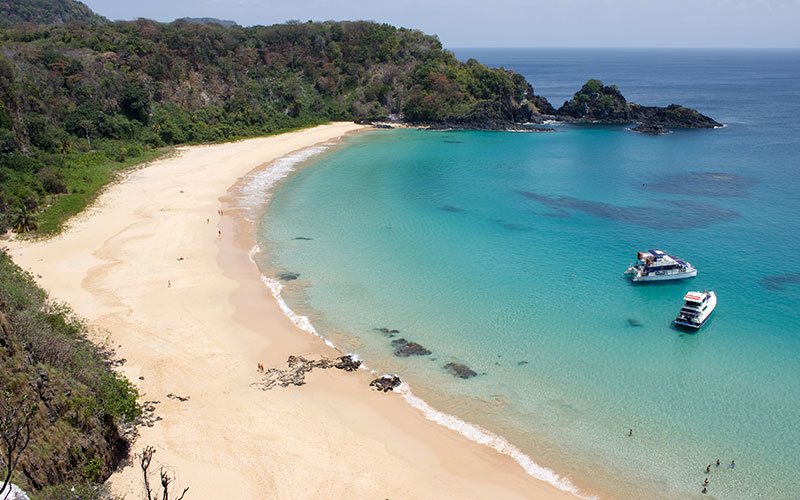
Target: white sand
{"x":203,"y":336}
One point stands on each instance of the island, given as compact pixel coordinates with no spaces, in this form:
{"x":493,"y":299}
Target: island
{"x":599,"y":103}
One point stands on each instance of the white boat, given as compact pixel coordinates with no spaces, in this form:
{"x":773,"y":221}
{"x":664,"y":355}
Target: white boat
{"x":697,"y":307}
{"x":657,"y":265}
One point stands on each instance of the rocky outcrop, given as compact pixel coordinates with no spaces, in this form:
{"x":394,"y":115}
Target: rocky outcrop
{"x":599,"y":103}
{"x":386,"y":383}
{"x":299,"y":366}
{"x":651,"y":129}
{"x":348,"y":363}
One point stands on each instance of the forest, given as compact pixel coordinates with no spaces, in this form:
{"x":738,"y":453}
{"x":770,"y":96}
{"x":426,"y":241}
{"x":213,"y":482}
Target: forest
{"x":82,"y":97}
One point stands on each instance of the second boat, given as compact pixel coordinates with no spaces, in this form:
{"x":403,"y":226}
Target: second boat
{"x":657,"y":265}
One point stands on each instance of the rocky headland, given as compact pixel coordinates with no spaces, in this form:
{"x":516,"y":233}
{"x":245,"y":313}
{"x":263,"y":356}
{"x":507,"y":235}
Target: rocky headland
{"x":605,"y":104}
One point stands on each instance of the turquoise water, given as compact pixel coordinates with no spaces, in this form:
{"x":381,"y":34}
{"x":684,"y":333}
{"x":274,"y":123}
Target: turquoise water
{"x":505,"y":252}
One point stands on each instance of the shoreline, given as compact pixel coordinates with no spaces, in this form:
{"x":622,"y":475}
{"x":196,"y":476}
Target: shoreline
{"x":246,"y":236}
{"x":198,"y":326}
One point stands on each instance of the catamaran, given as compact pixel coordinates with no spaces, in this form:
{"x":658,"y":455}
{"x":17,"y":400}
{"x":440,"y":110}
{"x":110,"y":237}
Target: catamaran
{"x":697,"y":307}
{"x":657,"y":265}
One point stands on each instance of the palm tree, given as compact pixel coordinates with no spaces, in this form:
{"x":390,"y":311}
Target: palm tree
{"x":24,"y":220}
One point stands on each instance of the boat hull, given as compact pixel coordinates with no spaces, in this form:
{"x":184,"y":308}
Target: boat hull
{"x":712,"y":304}
{"x":665,"y":277}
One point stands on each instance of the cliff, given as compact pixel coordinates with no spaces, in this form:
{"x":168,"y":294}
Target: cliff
{"x":76,"y":401}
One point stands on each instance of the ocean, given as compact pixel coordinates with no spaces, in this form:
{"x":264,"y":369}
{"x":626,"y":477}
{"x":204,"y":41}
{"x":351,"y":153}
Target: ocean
{"x":504,"y":252}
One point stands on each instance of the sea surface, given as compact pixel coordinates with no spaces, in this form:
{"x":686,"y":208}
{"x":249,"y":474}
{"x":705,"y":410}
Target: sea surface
{"x":505,"y":251}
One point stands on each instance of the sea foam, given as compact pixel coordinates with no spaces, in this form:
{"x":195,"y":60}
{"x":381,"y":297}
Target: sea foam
{"x":255,"y":191}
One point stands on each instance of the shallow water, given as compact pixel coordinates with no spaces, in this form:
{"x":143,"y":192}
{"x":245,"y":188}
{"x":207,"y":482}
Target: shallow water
{"x":504,"y":252}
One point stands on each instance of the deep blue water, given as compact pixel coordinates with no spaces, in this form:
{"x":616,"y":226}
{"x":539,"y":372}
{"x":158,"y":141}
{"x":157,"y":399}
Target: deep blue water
{"x":504,"y":251}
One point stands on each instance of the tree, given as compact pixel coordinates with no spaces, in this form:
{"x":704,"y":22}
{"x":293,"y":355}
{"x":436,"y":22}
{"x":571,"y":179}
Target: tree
{"x":24,"y":220}
{"x":145,"y":461}
{"x":15,"y":433}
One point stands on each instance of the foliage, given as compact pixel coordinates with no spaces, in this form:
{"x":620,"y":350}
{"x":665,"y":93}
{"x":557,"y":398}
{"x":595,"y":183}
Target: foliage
{"x":45,"y":12}
{"x":596,"y":101}
{"x":79,"y":100}
{"x":78,"y":401}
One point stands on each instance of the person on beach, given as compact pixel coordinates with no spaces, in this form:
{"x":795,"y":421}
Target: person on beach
{"x":704,"y":490}
{"x":705,"y":483}
{"x":208,"y":220}
{"x":718,"y":462}
{"x":630,"y":432}
{"x":169,"y":283}
{"x":708,"y":468}
{"x":733,"y":464}
{"x":219,"y":232}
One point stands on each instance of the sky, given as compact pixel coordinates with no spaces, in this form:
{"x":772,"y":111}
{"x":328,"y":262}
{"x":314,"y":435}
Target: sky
{"x":516,"y":23}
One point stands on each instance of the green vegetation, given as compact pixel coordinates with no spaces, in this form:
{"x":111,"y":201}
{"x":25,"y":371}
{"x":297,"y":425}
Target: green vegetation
{"x":83,"y":99}
{"x":595,"y":101}
{"x":78,"y":401}
{"x":45,"y":12}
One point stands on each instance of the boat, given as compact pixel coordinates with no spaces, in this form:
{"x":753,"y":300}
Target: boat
{"x":657,"y":265}
{"x":697,"y":307}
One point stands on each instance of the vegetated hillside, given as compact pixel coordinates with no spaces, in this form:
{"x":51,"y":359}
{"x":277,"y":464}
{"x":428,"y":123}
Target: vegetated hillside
{"x":45,"y":12}
{"x":82,"y":95}
{"x":48,"y":366}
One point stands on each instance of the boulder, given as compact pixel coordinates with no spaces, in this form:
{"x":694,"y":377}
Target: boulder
{"x":348,"y":363}
{"x":386,"y":383}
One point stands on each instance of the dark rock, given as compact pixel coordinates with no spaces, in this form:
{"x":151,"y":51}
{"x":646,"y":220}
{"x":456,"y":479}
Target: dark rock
{"x":522,"y":363}
{"x":179,"y":398}
{"x":650,"y":129}
{"x":386,"y":383}
{"x":348,"y":363}
{"x":287,"y":276}
{"x":460,"y":371}
{"x":387,"y":330}
{"x":599,"y":103}
{"x":404,"y":348}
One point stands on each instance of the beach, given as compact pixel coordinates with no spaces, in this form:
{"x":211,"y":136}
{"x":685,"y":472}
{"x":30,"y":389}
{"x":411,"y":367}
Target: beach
{"x":164,"y":278}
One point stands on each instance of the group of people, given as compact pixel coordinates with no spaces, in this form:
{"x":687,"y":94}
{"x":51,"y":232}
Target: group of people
{"x":708,"y":471}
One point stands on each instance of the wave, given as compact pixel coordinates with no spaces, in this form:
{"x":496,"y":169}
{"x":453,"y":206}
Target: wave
{"x":256,"y":189}
{"x":482,"y":436}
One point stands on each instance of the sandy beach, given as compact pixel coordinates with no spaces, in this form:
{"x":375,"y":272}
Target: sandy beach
{"x":197,"y":327}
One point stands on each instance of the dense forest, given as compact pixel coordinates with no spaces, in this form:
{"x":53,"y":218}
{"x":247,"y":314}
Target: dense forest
{"x":84,"y":96}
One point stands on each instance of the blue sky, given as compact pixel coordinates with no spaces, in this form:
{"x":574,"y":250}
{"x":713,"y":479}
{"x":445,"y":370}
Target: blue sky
{"x":517,"y":23}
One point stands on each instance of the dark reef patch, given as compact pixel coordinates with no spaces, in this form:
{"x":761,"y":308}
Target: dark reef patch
{"x":779,"y":282}
{"x":634,"y":322}
{"x":452,"y":209}
{"x":448,"y":141}
{"x":461,"y":371}
{"x":287,"y":276}
{"x":403,"y":348}
{"x":302,"y":238}
{"x":711,"y":184}
{"x":671,"y":217}
{"x":512,"y":226}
